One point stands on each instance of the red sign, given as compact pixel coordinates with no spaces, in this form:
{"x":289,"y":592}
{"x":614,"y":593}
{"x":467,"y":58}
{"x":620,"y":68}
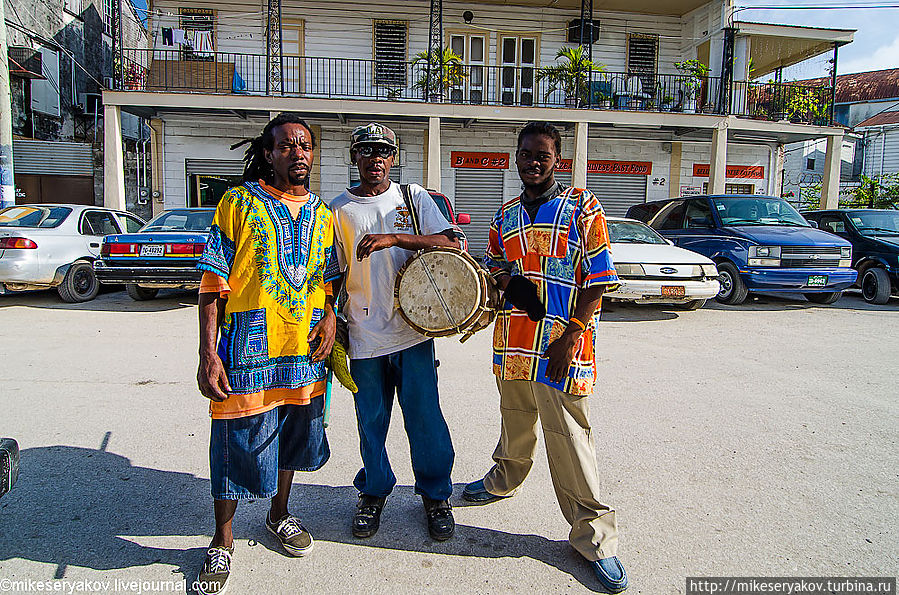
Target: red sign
{"x":641,"y":168}
{"x":752,"y":172}
{"x":479,"y":160}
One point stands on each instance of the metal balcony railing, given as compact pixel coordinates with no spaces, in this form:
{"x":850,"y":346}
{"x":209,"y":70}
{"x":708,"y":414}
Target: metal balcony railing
{"x":523,"y":86}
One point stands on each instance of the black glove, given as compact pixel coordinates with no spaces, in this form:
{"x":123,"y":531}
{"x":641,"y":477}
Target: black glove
{"x":522,"y":294}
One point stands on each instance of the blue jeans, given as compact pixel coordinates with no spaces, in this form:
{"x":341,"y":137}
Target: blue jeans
{"x":411,"y":374}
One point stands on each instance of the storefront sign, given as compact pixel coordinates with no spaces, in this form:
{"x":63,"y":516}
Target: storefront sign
{"x":596,"y":166}
{"x":479,"y":160}
{"x":690,"y":190}
{"x":751,"y":172}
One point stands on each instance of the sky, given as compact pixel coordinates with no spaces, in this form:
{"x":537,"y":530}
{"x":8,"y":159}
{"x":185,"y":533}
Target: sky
{"x":876,"y":42}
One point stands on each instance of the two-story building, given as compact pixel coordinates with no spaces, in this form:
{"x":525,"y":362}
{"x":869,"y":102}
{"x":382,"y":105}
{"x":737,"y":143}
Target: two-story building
{"x":637,"y":127}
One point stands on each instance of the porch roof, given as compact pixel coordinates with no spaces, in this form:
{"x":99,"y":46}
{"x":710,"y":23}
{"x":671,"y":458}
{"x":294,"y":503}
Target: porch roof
{"x":778,"y":46}
{"x":656,"y":7}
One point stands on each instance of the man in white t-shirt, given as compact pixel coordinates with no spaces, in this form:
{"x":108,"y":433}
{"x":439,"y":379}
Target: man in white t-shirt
{"x":374,"y":237}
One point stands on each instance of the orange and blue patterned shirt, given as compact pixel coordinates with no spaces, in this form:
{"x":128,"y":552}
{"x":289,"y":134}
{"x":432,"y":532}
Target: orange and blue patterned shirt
{"x":563,"y":251}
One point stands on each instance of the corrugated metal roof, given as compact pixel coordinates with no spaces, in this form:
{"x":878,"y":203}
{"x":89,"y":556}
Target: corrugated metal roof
{"x":863,"y":86}
{"x":881,"y":119}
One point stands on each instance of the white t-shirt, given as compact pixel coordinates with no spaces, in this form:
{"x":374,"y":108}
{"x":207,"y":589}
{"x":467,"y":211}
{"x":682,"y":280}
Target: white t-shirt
{"x":376,"y":328}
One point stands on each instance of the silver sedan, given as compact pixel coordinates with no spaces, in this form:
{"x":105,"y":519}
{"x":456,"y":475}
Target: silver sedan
{"x":54,"y":245}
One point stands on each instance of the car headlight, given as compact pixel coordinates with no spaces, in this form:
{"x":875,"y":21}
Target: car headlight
{"x":764,"y":252}
{"x":709,"y":270}
{"x":846,"y":252}
{"x":630,"y":270}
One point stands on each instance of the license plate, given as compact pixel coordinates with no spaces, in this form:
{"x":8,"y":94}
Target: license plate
{"x":152,"y":250}
{"x":674,"y":291}
{"x":817,"y":281}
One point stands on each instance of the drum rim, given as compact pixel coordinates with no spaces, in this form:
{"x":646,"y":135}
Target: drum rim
{"x":475,"y":314}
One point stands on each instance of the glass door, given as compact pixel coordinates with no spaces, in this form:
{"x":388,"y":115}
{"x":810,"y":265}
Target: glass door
{"x":472,"y":50}
{"x":518,"y":63}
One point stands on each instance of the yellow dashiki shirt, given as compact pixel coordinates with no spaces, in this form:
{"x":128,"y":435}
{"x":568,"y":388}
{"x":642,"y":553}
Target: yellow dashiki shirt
{"x":563,"y":250}
{"x":277,"y":270}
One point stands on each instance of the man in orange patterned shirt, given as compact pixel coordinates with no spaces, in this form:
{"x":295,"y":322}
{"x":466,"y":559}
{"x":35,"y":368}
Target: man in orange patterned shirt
{"x":549,"y":253}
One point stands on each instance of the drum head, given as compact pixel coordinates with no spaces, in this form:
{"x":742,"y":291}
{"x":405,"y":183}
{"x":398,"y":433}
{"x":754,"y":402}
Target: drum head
{"x":430,"y":276}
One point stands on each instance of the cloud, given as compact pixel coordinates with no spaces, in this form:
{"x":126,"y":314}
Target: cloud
{"x":885,"y":56}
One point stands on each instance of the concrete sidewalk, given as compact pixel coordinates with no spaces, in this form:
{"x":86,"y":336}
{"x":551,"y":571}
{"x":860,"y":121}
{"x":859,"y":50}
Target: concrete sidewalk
{"x":754,"y":440}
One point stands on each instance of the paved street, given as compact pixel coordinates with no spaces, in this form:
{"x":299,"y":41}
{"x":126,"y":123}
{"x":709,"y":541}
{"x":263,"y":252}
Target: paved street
{"x":752,"y":440}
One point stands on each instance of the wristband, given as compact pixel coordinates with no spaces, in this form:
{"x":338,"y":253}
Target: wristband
{"x":579,"y":323}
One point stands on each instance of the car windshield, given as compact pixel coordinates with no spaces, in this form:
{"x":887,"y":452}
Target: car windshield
{"x":757,"y":211}
{"x":631,"y":232}
{"x":181,"y":221}
{"x":33,"y":216}
{"x":876,"y":223}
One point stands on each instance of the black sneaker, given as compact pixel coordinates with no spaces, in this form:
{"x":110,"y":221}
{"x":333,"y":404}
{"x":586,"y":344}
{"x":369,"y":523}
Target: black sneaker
{"x":213,"y":578}
{"x":368,"y":515}
{"x":441,"y":525}
{"x":294,"y":538}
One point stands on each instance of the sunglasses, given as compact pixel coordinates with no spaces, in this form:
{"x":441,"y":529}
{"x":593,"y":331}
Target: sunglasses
{"x":375,"y":150}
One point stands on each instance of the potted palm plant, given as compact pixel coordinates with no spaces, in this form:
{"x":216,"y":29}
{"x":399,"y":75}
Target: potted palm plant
{"x":572,"y":75}
{"x":695,"y":73}
{"x":437,"y":72}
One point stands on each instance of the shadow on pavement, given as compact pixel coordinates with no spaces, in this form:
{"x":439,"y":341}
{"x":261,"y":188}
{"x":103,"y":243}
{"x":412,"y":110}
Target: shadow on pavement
{"x":851,"y":300}
{"x":107,"y":301}
{"x":77,"y":506}
{"x":627,"y":312}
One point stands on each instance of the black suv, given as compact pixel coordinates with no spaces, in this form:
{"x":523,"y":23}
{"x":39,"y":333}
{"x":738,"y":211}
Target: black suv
{"x":874,"y":234}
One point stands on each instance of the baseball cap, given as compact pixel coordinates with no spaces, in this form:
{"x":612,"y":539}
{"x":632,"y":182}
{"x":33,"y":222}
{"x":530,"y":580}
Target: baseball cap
{"x":373,"y":134}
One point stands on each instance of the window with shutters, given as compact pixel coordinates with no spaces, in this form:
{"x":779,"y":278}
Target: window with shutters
{"x":642,"y":59}
{"x":473,"y":51}
{"x":390,"y":38}
{"x":72,"y":6}
{"x":108,"y":16}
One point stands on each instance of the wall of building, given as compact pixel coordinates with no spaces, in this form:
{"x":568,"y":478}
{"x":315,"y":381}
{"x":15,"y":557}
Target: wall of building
{"x":797,"y":158}
{"x":881,"y":150}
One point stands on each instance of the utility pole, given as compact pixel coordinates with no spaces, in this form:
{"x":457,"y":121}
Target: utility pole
{"x":7,"y":183}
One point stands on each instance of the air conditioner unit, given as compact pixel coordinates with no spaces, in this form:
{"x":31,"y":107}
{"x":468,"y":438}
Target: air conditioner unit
{"x":91,"y":101}
{"x":591,"y":31}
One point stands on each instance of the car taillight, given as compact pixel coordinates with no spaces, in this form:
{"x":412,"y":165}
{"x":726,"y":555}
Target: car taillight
{"x":180,"y":249}
{"x":114,"y":248}
{"x":199,"y":249}
{"x":17,"y":244}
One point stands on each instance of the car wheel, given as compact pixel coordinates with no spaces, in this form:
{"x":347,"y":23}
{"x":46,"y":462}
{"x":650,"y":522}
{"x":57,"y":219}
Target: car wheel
{"x":827,"y":297}
{"x":140,"y":293}
{"x":733,"y":290}
{"x":692,"y":305}
{"x":80,"y":283}
{"x":876,"y":286}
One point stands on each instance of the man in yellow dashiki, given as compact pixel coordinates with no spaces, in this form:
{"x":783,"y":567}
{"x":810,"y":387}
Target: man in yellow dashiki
{"x":549,"y":253}
{"x":266,"y":325}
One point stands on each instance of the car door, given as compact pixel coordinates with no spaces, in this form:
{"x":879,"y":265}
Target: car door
{"x":94,"y":226}
{"x":698,"y":227}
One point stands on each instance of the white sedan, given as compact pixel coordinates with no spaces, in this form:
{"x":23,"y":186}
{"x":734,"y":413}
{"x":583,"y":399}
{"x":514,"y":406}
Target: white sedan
{"x":652,"y":270}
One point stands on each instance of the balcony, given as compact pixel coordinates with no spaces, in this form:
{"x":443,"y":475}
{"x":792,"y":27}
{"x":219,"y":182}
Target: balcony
{"x":338,"y":78}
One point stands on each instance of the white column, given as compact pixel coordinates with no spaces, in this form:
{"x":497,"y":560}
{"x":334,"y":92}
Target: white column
{"x":830,"y":185}
{"x":718,"y":161}
{"x":579,"y":159}
{"x":113,"y":158}
{"x":432,"y":180}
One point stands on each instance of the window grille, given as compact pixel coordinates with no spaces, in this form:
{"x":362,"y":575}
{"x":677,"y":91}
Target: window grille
{"x":642,"y":59}
{"x":390,"y":39}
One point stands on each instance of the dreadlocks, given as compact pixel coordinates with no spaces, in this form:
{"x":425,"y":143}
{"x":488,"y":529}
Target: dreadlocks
{"x":255,"y":165}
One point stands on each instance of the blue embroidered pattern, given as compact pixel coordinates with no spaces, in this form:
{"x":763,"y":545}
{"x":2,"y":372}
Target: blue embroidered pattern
{"x":218,"y":256}
{"x":293,"y":371}
{"x":248,"y":338}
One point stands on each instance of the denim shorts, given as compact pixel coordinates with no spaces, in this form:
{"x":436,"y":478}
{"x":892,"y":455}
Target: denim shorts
{"x":246,"y":453}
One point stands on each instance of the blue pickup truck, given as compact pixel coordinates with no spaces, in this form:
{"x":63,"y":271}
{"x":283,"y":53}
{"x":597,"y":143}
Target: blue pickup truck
{"x":760,"y":243}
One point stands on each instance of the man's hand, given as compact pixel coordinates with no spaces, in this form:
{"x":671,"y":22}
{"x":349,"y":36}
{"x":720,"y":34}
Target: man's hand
{"x":560,"y":354}
{"x":211,"y":378}
{"x":372,"y":242}
{"x":322,"y":335}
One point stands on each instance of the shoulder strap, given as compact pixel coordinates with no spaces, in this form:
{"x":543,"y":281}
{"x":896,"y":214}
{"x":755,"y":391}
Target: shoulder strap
{"x":407,"y":198}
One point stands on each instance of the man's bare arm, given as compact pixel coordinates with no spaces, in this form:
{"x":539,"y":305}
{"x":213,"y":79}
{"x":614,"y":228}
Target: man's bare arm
{"x":379,"y":241}
{"x":561,"y":352}
{"x":211,"y":377}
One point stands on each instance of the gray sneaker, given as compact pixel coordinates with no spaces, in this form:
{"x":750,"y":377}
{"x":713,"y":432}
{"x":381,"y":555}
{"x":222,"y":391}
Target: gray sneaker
{"x":213,"y":578}
{"x":294,"y":538}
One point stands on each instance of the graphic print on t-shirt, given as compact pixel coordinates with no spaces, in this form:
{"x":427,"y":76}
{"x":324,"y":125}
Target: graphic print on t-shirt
{"x":403,"y":221}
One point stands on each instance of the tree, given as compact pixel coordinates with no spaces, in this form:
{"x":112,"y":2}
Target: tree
{"x":879,"y":192}
{"x":438,"y":71}
{"x":571,"y":76}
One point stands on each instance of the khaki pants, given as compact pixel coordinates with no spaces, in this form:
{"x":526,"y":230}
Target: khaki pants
{"x":571,"y":454}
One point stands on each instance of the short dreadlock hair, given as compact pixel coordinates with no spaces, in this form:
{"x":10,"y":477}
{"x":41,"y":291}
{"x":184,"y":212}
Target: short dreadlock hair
{"x":256,"y":167}
{"x":544,"y":129}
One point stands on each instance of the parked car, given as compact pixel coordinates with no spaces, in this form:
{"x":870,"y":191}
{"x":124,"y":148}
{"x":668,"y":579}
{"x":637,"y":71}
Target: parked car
{"x":54,"y":245}
{"x":760,"y":243}
{"x":443,"y":203}
{"x":652,"y":270}
{"x":164,"y":253}
{"x":874,"y":235}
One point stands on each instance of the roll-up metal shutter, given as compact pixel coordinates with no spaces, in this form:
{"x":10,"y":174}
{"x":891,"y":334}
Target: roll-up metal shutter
{"x":214,"y":167}
{"x":42,"y":157}
{"x":479,"y":192}
{"x":616,"y":192}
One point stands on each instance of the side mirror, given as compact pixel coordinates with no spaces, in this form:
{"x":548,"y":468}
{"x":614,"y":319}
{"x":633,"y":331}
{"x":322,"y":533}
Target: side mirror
{"x":463,"y":218}
{"x":813,"y":223}
{"x":9,"y":464}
